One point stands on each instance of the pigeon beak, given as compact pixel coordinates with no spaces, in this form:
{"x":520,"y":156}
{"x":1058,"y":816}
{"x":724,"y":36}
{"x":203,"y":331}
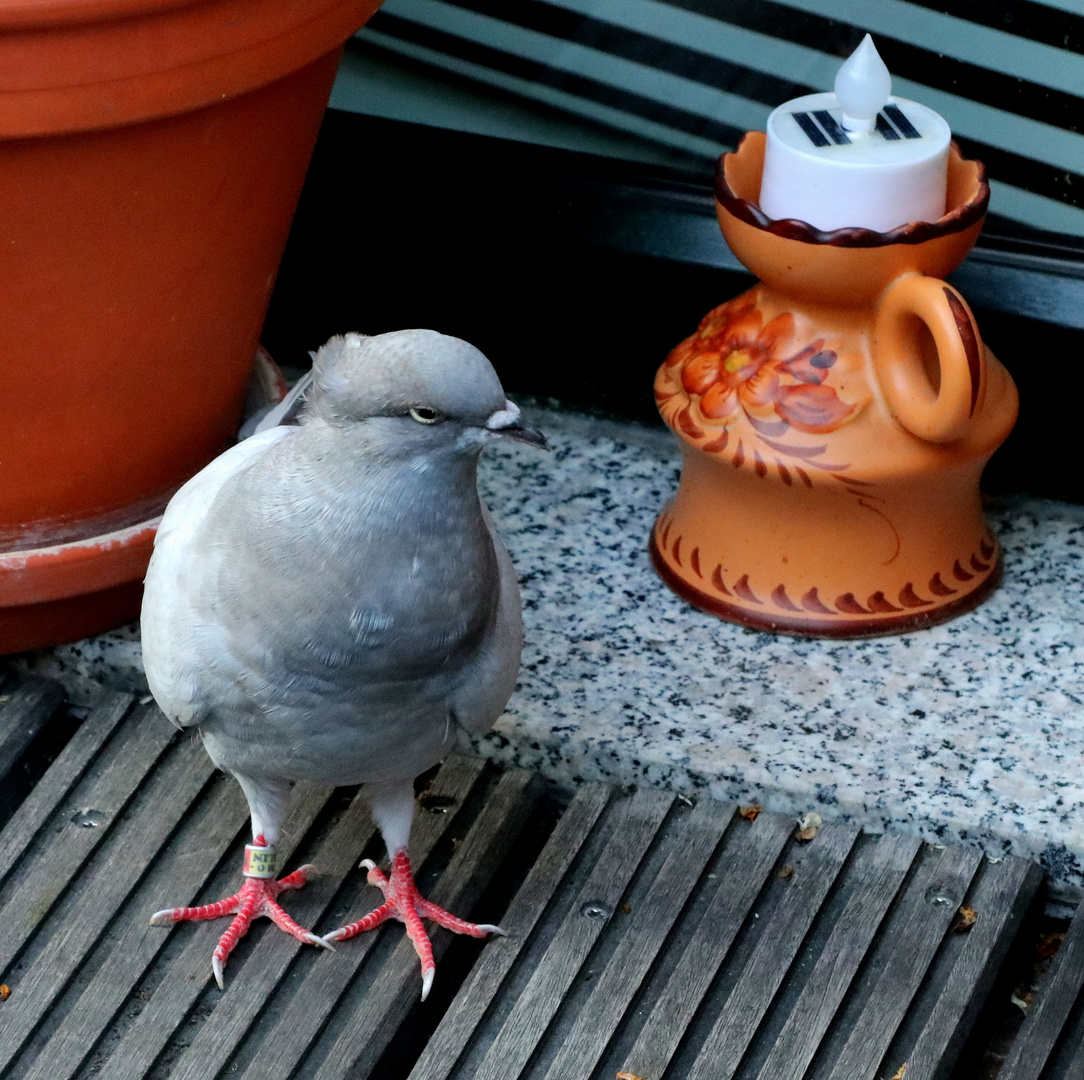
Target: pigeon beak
{"x":507,"y":423}
{"x":524,"y":434}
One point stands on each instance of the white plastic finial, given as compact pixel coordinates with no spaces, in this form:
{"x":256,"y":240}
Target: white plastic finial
{"x":863,"y":84}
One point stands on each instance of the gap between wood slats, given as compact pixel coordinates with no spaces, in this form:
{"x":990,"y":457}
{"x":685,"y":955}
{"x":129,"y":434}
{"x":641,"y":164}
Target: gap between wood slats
{"x":893,"y":969}
{"x":23,"y":714}
{"x":100,"y":884}
{"x":737,"y":1003}
{"x":1049,"y":1023}
{"x":964,"y":971}
{"x":1067,"y":1062}
{"x":51,"y":858}
{"x":729,"y":898}
{"x":593,"y":1011}
{"x":761,"y":969}
{"x":742,"y":953}
{"x":29,"y":710}
{"x":570,"y":967}
{"x":587,"y":900}
{"x":116,"y":968}
{"x":65,"y":773}
{"x":830,"y":958}
{"x":483,"y":983}
{"x":371,"y":1022}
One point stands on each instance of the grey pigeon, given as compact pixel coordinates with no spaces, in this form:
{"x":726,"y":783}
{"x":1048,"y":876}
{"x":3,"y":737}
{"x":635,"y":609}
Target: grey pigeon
{"x":329,"y":601}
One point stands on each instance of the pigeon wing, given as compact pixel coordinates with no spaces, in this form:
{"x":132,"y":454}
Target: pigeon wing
{"x":176,"y":640}
{"x":490,"y":678}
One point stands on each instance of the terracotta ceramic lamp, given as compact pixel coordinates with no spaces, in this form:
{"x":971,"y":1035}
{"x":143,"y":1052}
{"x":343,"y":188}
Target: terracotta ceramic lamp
{"x":835,"y":420}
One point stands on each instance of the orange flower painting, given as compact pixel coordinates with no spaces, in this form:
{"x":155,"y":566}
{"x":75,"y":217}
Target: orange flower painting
{"x":736,"y":361}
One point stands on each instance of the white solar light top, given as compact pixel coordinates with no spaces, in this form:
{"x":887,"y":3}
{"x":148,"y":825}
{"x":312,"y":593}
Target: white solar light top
{"x":856,"y":157}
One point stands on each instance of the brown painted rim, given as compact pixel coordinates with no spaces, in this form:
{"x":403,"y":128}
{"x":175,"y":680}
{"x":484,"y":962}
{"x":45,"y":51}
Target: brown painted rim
{"x":914,"y":232}
{"x":856,"y":628}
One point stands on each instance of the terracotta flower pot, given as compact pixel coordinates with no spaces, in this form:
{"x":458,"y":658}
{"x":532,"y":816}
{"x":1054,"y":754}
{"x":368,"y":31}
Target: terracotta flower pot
{"x":834,"y":422}
{"x":151,"y":156}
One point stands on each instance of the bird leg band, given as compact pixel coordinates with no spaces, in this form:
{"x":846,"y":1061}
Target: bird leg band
{"x":259,"y":861}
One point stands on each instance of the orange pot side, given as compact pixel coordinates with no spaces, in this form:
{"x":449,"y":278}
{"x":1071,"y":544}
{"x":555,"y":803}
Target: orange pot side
{"x":151,"y":159}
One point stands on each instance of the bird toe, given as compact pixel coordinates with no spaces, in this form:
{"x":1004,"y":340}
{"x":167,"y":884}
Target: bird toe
{"x":323,"y":943}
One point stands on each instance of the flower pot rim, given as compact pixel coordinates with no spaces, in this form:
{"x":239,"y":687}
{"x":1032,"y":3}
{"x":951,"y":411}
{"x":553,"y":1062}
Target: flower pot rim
{"x":24,"y":14}
{"x":71,"y":66}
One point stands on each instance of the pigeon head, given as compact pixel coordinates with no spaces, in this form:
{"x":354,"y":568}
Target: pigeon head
{"x":418,"y":377}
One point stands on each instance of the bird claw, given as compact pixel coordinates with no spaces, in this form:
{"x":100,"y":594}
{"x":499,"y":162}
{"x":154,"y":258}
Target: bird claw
{"x":256,"y":897}
{"x":402,"y":901}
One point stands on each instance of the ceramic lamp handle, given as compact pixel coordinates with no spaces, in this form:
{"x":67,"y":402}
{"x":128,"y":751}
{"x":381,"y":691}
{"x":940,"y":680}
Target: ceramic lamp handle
{"x":929,"y":358}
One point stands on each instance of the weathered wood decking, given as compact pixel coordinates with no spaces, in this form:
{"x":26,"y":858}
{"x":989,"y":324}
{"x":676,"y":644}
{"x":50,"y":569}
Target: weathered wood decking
{"x":1050,"y":1044}
{"x":646,"y":935}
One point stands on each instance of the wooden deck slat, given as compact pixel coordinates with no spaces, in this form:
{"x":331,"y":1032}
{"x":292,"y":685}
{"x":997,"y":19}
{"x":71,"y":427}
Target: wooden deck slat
{"x":135,"y":944}
{"x":188,"y":973}
{"x":66,"y":771}
{"x":701,"y":961}
{"x":103,"y":886}
{"x":447,"y":1043}
{"x":1068,"y":1060}
{"x":912,"y":934}
{"x":295,"y":1026}
{"x":30,"y":893}
{"x":360,"y":1044}
{"x":816,"y":867}
{"x":1038,"y":1036}
{"x":23,"y":716}
{"x":873,"y":882}
{"x":742,"y":871}
{"x":965,"y":971}
{"x":637,"y":819}
{"x":689,"y":845}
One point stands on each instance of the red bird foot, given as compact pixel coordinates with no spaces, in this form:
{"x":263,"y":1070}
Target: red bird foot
{"x":405,"y":903}
{"x":256,"y":897}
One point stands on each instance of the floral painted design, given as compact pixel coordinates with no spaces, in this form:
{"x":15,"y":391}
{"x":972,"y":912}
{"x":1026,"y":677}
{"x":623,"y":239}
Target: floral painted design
{"x":737,"y":362}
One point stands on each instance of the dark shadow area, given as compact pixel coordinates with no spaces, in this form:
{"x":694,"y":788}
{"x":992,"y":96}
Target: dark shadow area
{"x":536,"y":256}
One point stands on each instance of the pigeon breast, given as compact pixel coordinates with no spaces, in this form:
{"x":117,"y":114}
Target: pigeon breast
{"x":338,"y":601}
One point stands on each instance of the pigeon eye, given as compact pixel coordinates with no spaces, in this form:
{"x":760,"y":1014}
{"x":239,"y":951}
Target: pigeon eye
{"x":424,"y":415}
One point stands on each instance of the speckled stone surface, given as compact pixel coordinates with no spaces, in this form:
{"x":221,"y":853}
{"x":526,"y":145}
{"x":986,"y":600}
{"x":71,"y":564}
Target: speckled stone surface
{"x":972,"y":731}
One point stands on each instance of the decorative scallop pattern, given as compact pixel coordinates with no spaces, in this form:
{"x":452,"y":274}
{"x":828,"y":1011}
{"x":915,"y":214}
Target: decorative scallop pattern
{"x":914,"y":596}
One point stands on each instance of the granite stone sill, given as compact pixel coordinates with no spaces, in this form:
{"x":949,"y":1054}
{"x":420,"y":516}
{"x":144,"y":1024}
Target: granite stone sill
{"x":972,"y":731}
